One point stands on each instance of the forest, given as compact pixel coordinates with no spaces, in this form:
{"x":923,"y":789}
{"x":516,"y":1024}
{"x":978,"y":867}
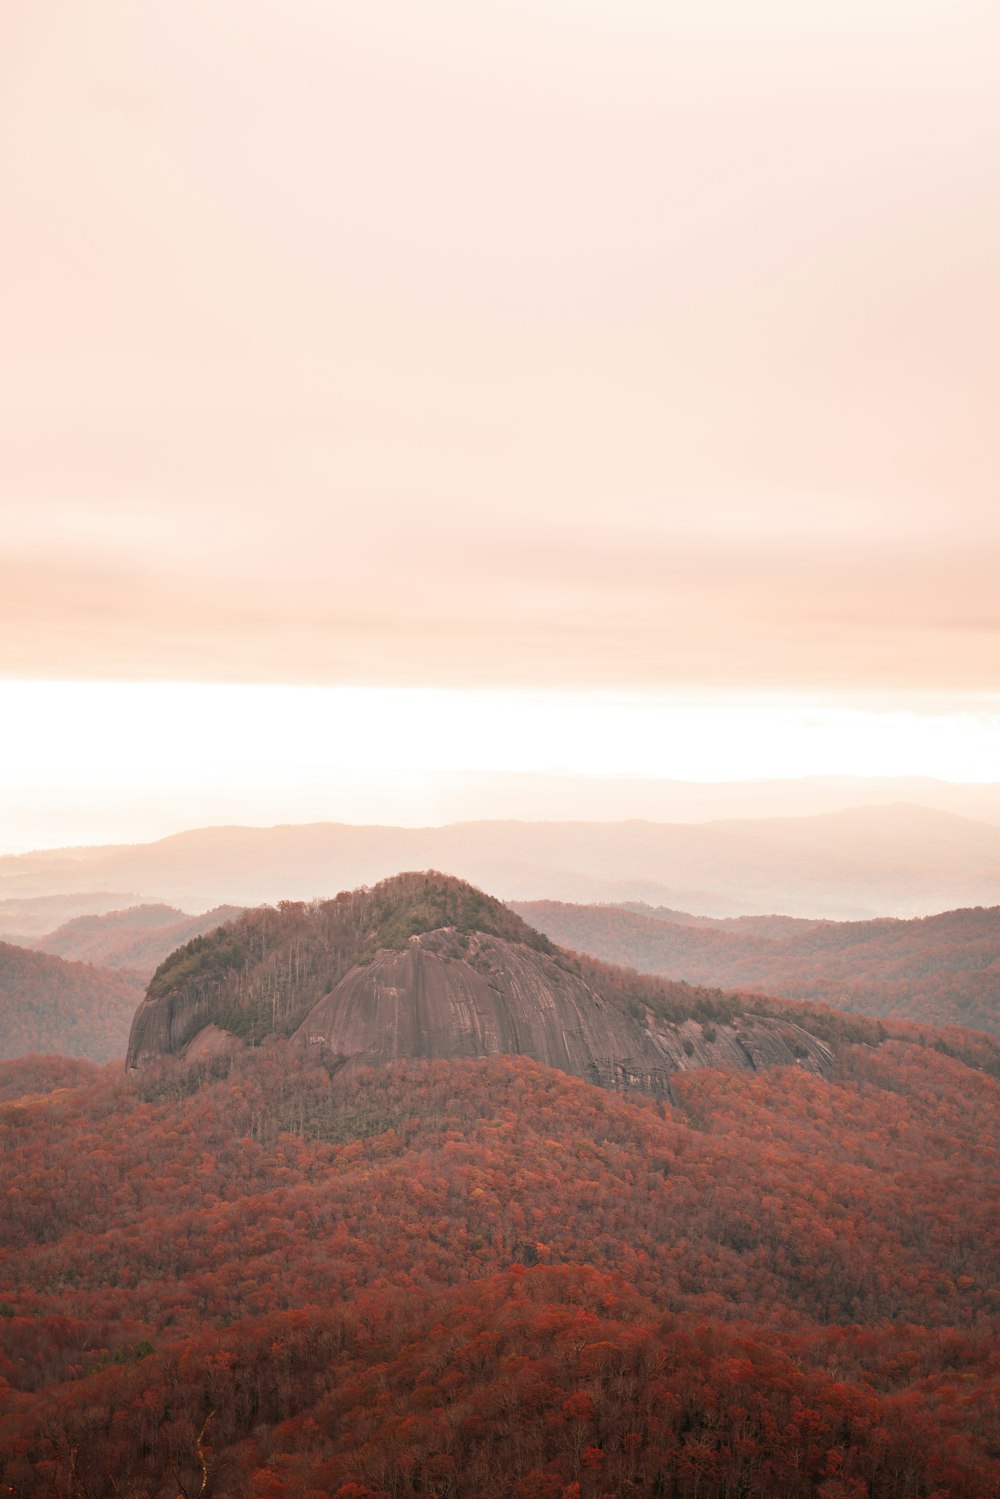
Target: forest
{"x":254,"y":1278}
{"x":137,"y":937}
{"x":76,"y":1009}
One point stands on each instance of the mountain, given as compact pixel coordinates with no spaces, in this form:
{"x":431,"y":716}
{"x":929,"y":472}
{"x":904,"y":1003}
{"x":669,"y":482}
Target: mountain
{"x":48,"y":1005}
{"x":137,"y":938}
{"x":482,"y":1278}
{"x":433,"y":798}
{"x":872,"y":861}
{"x":566,"y":796}
{"x":26,"y":917}
{"x":943,"y":970}
{"x":424,"y":965}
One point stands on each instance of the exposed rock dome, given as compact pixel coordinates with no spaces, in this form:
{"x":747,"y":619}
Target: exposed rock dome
{"x":426,"y":966}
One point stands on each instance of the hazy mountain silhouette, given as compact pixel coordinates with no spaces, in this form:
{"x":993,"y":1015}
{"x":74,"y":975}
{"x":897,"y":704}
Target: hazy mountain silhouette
{"x":137,"y":938}
{"x":900,"y":860}
{"x":26,"y":917}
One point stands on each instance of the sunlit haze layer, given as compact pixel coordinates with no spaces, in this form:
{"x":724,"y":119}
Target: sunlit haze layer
{"x":95,"y":762}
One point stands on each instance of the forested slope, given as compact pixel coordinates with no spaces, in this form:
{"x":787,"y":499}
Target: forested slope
{"x":943,"y":970}
{"x":139,"y":937}
{"x":489,"y":1278}
{"x":48,"y":1005}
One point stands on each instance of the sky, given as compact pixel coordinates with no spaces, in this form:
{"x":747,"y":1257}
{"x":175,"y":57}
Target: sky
{"x":555,"y":352}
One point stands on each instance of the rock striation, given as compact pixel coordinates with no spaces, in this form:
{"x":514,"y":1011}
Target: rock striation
{"x":425,"y":966}
{"x":500,"y":997}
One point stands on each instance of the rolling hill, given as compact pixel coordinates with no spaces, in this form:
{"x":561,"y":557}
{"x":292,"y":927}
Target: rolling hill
{"x":138,"y":938}
{"x":22,"y":918}
{"x":942,"y":970}
{"x":871,"y":861}
{"x":74,"y":1009}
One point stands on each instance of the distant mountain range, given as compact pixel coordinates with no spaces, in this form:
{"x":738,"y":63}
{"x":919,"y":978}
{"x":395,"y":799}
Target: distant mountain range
{"x":899,"y":860}
{"x":74,"y":991}
{"x":27,"y":917}
{"x":437,"y":798}
{"x":138,"y":938}
{"x":942,"y":970}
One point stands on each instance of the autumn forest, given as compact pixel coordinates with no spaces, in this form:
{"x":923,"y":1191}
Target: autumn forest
{"x":255,"y":1271}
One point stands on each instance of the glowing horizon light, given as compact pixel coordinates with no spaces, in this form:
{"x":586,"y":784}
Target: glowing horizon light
{"x":165,"y":755}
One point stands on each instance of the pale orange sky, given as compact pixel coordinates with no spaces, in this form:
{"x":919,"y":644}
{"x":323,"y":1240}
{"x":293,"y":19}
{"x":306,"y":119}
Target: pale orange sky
{"x":571,"y":343}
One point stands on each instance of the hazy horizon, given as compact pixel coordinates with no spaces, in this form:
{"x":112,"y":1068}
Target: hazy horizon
{"x":398,"y":398}
{"x":446,"y":800}
{"x":87,"y":763}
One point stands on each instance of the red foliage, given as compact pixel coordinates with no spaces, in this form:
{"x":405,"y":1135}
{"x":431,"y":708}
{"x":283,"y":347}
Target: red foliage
{"x":42,"y":1074}
{"x":488,"y":1278}
{"x":47,"y":1005}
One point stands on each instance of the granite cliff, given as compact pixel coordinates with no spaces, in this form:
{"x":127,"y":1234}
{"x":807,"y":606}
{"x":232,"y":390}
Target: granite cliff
{"x":423,"y":965}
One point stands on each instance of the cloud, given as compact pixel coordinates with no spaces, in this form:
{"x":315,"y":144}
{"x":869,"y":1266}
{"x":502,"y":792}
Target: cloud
{"x":526,"y":344}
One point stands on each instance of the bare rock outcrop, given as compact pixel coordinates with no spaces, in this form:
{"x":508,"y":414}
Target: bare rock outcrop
{"x":500,"y":997}
{"x":426,"y":966}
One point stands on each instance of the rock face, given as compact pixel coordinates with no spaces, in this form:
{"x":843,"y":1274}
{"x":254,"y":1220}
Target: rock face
{"x":498,"y":997}
{"x":503,"y":998}
{"x":170,"y":1026}
{"x":354,"y":979}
